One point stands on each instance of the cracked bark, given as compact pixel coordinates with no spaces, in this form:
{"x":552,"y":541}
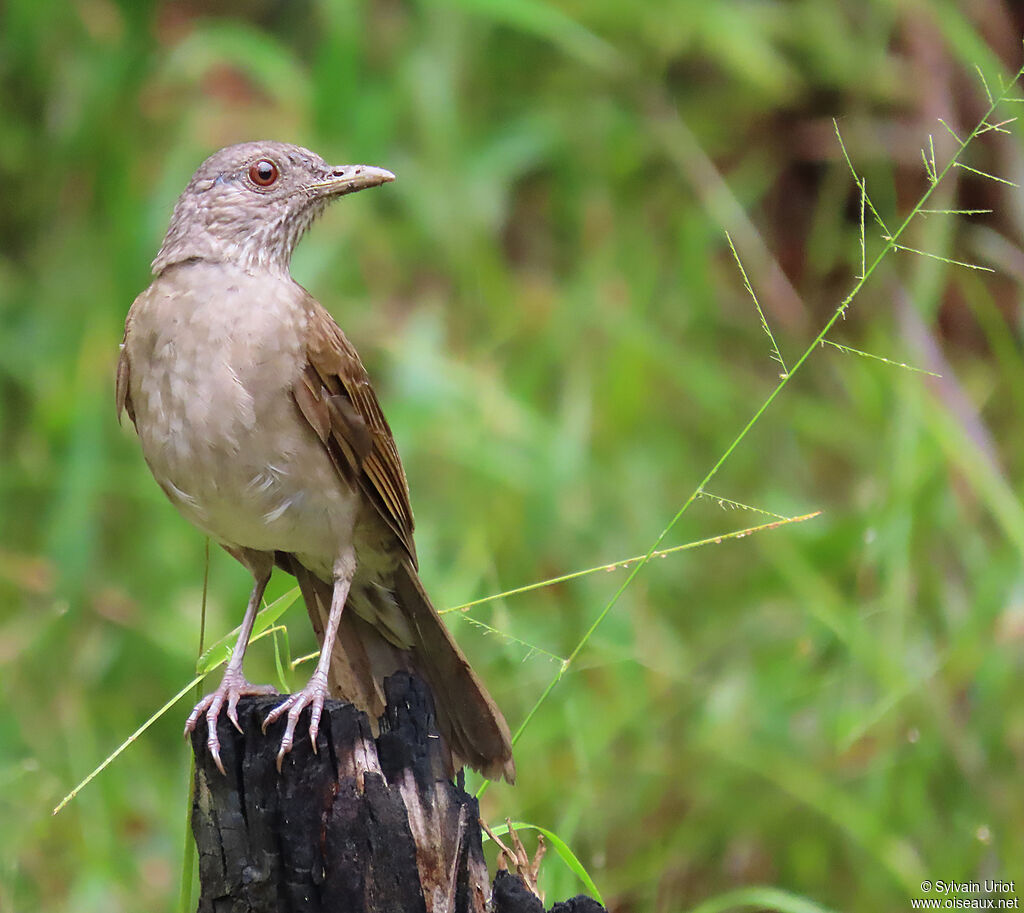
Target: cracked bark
{"x":364,"y":825}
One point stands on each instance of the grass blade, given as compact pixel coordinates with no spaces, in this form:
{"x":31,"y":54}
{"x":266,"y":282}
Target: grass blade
{"x":561,"y":847}
{"x":762,"y":898}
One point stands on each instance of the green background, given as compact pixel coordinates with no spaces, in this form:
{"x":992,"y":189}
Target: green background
{"x":563,"y":345}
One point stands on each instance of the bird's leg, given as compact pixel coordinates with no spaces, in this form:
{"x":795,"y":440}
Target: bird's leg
{"x":234,"y":684}
{"x":316,"y":690}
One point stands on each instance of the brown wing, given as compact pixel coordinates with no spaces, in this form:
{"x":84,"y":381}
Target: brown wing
{"x":123,"y":398}
{"x":335,"y":396}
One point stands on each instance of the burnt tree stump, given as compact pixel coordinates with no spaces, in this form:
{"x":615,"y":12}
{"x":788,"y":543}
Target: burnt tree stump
{"x":364,"y":825}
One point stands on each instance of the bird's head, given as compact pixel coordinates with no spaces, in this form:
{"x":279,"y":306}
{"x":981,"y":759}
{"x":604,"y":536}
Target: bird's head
{"x":249,"y":204}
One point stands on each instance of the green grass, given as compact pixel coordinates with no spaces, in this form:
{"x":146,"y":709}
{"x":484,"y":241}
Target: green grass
{"x":818,"y":717}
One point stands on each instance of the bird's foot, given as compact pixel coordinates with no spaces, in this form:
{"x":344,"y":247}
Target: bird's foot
{"x":312,"y":696}
{"x":233,"y":686}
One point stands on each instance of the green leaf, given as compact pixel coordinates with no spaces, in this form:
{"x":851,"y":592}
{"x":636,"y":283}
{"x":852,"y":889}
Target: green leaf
{"x":561,"y":847}
{"x":762,"y":897}
{"x":267,"y":62}
{"x":220,"y":651}
{"x":282,"y":645}
{"x":550,"y":23}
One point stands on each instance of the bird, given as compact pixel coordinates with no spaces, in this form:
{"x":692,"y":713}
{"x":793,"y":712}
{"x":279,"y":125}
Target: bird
{"x":258,"y":420}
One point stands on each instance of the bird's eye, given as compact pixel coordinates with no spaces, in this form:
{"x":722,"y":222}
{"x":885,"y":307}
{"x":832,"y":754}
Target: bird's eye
{"x":264,"y":172}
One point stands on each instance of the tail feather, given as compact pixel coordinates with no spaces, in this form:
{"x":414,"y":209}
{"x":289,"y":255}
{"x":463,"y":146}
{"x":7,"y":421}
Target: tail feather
{"x":468,"y":717}
{"x":470,"y":722}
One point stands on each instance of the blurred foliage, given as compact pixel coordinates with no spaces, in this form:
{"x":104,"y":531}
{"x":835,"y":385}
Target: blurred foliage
{"x":563,"y":345}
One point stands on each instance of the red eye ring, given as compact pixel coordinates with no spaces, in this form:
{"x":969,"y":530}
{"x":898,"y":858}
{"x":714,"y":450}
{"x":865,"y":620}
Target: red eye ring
{"x":263,"y":173}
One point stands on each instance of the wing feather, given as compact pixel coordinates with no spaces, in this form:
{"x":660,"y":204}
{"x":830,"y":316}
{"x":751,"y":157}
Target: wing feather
{"x":336,"y":397}
{"x":122,"y":396}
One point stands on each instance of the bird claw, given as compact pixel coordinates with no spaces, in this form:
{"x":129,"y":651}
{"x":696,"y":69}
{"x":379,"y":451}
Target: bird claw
{"x":312,"y":696}
{"x":233,"y":686}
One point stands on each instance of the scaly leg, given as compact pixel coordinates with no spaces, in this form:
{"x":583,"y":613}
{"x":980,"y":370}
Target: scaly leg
{"x":316,"y":690}
{"x":234,"y":684}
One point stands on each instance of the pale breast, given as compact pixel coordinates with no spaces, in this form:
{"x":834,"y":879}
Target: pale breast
{"x":213,"y":356}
